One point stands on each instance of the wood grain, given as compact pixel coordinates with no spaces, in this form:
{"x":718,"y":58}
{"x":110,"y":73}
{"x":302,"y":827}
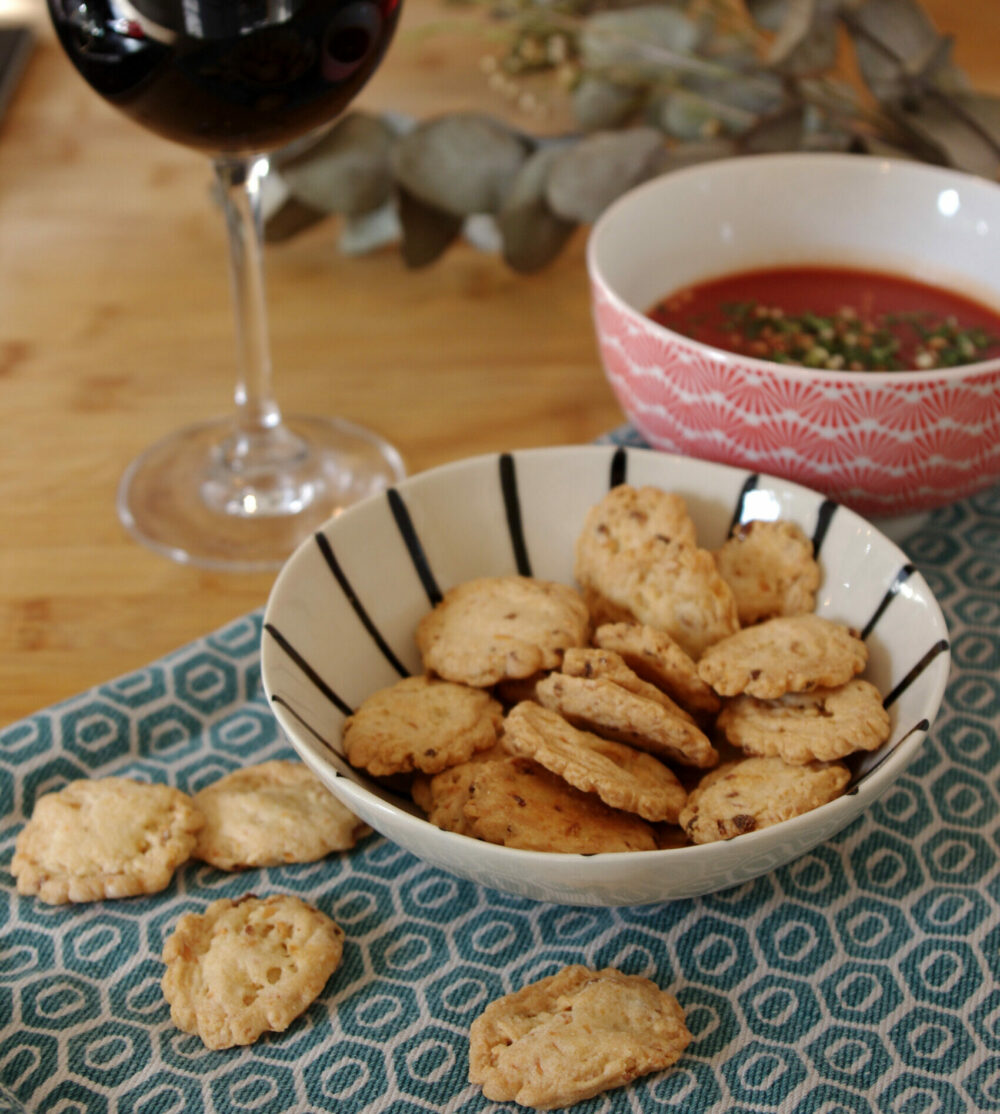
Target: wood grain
{"x":115,"y":329}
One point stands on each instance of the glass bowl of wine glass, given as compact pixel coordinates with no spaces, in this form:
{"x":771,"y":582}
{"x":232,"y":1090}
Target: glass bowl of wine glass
{"x":237,"y":81}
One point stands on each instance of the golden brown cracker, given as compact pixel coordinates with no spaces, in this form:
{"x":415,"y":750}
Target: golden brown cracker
{"x":103,"y":838}
{"x":573,"y":1035}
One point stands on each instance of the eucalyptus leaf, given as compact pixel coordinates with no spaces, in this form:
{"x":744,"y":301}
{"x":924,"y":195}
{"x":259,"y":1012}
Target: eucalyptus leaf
{"x":348,"y":170}
{"x":807,"y":40}
{"x":782,"y":132}
{"x":588,"y":176}
{"x":888,"y":35}
{"x":459,"y":164}
{"x":599,"y":103}
{"x":367,"y":232}
{"x":684,"y":114}
{"x":289,"y":219}
{"x":758,"y":93}
{"x":965,"y":128}
{"x":619,"y":38}
{"x":532,"y":234}
{"x":769,"y":15}
{"x":427,"y":230}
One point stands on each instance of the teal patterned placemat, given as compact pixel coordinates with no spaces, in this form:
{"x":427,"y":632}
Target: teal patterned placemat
{"x":864,"y":977}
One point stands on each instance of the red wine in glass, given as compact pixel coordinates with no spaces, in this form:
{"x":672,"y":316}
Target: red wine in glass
{"x":237,"y":79}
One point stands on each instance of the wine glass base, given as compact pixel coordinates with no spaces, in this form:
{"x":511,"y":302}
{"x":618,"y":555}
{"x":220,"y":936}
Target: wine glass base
{"x":183,"y":499}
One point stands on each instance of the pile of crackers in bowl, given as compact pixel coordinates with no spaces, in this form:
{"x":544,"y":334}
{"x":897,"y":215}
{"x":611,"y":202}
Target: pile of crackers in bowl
{"x":561,"y":658}
{"x":585,"y":719}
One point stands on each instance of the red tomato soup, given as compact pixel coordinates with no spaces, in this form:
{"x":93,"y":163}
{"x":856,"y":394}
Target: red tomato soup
{"x":834,"y":318}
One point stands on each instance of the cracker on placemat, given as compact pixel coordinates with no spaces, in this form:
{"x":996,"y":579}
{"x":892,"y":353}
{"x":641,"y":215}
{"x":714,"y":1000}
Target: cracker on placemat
{"x":517,"y":803}
{"x":104,"y":838}
{"x":248,"y":966}
{"x":608,"y":709}
{"x":573,"y":1035}
{"x":771,"y":570}
{"x":753,"y":793}
{"x":820,"y":725}
{"x":272,"y":813}
{"x":420,"y":723}
{"x":623,"y":777}
{"x":793,"y":654}
{"x":496,"y":628}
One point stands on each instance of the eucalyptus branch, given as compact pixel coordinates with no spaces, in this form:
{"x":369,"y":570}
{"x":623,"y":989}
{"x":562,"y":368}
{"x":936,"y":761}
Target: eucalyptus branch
{"x":649,"y":86}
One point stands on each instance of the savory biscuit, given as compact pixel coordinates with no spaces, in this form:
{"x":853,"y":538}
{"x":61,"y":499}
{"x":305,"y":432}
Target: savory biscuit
{"x":104,"y":838}
{"x":793,"y":654}
{"x":272,"y":813}
{"x":608,"y":709}
{"x":493,"y":628}
{"x":753,"y":793}
{"x":821,"y":725}
{"x":670,"y":585}
{"x":573,"y":1035}
{"x":443,"y":796}
{"x":248,"y":966}
{"x":420,"y":723}
{"x":594,"y":662}
{"x":627,"y":517}
{"x":656,"y":657}
{"x":621,"y":776}
{"x":518,"y":803}
{"x":771,"y":570}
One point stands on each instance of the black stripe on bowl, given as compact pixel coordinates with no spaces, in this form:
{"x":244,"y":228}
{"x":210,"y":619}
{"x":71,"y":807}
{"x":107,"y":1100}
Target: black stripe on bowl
{"x":892,"y":591}
{"x":359,"y":609}
{"x":308,"y":670}
{"x":824,"y":516}
{"x":749,"y":484}
{"x":940,"y":647}
{"x":921,"y":727}
{"x":619,"y":467}
{"x":512,"y":507}
{"x":415,"y":549}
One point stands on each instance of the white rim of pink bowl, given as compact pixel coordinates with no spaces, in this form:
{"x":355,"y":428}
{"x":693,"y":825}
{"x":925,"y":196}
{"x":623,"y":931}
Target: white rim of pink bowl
{"x":767,"y":367}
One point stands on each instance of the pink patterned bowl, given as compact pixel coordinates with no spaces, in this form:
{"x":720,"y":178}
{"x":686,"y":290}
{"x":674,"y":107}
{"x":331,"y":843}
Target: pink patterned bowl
{"x":884,"y":443}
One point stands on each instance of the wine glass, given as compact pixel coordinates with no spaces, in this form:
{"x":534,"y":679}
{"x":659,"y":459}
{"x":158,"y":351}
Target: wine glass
{"x":237,"y":79}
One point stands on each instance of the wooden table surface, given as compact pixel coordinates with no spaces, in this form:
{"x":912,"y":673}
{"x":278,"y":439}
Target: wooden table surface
{"x":115,"y":329}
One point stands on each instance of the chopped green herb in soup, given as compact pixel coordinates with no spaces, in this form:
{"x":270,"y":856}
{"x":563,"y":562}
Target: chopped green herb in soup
{"x":834,"y":318}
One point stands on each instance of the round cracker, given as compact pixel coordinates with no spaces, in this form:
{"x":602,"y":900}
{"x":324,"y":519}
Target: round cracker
{"x":104,"y":838}
{"x":272,"y":813}
{"x":420,"y":723}
{"x":822,"y":725}
{"x":573,"y":1035}
{"x":621,"y":776}
{"x":248,"y":966}
{"x":493,"y":629}
{"x":789,"y":654}
{"x":754,"y":793}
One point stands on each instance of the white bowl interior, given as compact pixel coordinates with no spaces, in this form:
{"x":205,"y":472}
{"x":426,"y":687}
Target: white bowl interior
{"x":930,"y":224}
{"x":341,"y":617}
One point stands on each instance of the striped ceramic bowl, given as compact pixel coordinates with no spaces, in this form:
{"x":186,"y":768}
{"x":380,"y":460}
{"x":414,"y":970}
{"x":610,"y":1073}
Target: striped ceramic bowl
{"x":342,"y":614}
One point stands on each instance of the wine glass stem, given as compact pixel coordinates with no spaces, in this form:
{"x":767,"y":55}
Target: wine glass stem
{"x":259,"y":431}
